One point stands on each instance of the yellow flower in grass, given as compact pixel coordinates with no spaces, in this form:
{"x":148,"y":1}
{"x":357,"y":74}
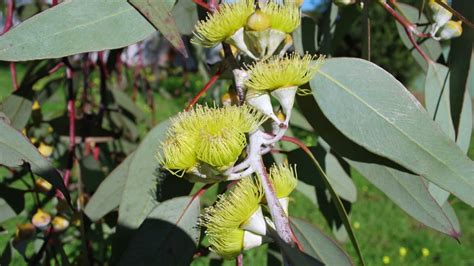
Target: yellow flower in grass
{"x":284,"y":180}
{"x":213,"y":136}
{"x":223,"y":23}
{"x":386,"y":260}
{"x":289,"y":71}
{"x":425,"y":252}
{"x":235,"y":222}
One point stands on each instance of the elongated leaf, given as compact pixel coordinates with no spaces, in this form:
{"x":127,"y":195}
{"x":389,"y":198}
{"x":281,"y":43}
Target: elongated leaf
{"x":460,"y":61}
{"x":395,"y":182}
{"x":411,"y":193}
{"x":18,"y":110}
{"x":138,"y":197}
{"x":373,"y":109}
{"x":319,"y":245}
{"x":158,"y":14}
{"x":168,"y":236}
{"x":76,"y":26}
{"x":186,"y":14}
{"x":438,"y":106}
{"x":296,"y":155}
{"x":431,"y":47}
{"x":465,"y":124}
{"x":16,"y":149}
{"x":108,"y":195}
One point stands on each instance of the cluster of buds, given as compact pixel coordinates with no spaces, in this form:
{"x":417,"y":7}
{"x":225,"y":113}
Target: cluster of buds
{"x":215,"y":144}
{"x":443,"y":27}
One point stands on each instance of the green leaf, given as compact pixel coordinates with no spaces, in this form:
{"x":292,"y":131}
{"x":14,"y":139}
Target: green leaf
{"x":305,"y":165}
{"x":16,"y":149}
{"x":138,"y":197}
{"x":438,"y":106}
{"x":12,"y":202}
{"x":431,"y":47}
{"x":109,"y":193}
{"x":319,"y":245}
{"x":405,"y":189}
{"x":168,"y":236}
{"x":437,"y":97}
{"x":465,"y":124}
{"x":460,"y":61}
{"x":298,"y":120}
{"x":124,"y":101}
{"x":76,"y":26}
{"x":305,"y":37}
{"x":157,"y":12}
{"x":409,"y":192}
{"x":18,"y":110}
{"x":185,"y":12}
{"x":373,"y":109}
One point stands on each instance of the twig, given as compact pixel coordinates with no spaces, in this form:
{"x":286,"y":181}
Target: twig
{"x":206,"y":87}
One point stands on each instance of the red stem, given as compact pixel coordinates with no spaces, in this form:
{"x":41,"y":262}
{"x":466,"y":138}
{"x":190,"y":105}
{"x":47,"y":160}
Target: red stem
{"x":9,"y":16}
{"x":202,"y":4}
{"x":13,"y":74}
{"x":56,"y":68}
{"x":206,"y":87}
{"x":197,"y":194}
{"x":409,"y":29}
{"x":72,"y":124}
{"x":239,"y":261}
{"x":54,"y":2}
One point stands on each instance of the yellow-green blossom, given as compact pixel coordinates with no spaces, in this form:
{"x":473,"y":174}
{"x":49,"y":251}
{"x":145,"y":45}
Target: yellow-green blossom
{"x":210,"y":135}
{"x":223,"y":23}
{"x":285,"y":18}
{"x":225,"y":220}
{"x":284,"y":179}
{"x":288,"y":71}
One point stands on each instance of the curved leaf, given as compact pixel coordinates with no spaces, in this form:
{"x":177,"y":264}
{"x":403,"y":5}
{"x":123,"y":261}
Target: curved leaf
{"x":76,"y":26}
{"x":18,"y":110}
{"x":168,"y":236}
{"x":109,"y":193}
{"x":319,"y":245}
{"x":16,"y":149}
{"x":373,"y":109}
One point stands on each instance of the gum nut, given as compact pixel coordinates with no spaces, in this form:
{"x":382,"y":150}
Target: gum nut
{"x":25,"y":231}
{"x":41,"y":185}
{"x":258,"y":21}
{"x":41,"y":219}
{"x":60,"y":223}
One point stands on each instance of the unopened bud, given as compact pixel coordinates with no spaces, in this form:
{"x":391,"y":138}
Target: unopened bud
{"x":42,"y":185}
{"x":451,"y":29}
{"x":45,"y":149}
{"x":60,"y":223}
{"x":258,"y":21}
{"x":25,"y":231}
{"x":41,"y":219}
{"x":36,"y":106}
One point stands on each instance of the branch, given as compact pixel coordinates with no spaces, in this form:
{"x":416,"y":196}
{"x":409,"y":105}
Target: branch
{"x":206,"y":87}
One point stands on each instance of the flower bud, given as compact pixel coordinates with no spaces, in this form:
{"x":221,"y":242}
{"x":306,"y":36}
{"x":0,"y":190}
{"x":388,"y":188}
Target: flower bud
{"x":25,"y":231}
{"x":42,"y":185}
{"x":41,"y":219}
{"x":258,"y":21}
{"x":440,"y":14}
{"x":45,"y":149}
{"x":451,"y":29}
{"x":60,"y":223}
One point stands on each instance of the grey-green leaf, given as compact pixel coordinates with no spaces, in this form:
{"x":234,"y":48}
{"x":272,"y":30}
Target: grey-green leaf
{"x":18,"y":110}
{"x":109,"y":193}
{"x":319,"y":245}
{"x":16,"y":149}
{"x":373,"y":109}
{"x":410,"y":193}
{"x":76,"y":26}
{"x":168,"y":236}
{"x":138,"y":197}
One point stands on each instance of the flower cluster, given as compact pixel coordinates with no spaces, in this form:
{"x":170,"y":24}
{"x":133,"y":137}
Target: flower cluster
{"x":236,"y":221}
{"x":257,"y":32}
{"x":443,"y":27}
{"x":208,"y":138}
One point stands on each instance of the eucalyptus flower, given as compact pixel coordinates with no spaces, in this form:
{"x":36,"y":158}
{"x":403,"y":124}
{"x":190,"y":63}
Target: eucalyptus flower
{"x":281,"y":77}
{"x":235,"y":222}
{"x":208,"y":139}
{"x":258,"y":32}
{"x":284,"y":180}
{"x":440,"y":14}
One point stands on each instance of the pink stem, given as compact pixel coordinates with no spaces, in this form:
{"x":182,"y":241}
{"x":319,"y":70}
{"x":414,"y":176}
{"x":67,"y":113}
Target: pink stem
{"x":13,"y":74}
{"x":206,"y":87}
{"x":239,"y":261}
